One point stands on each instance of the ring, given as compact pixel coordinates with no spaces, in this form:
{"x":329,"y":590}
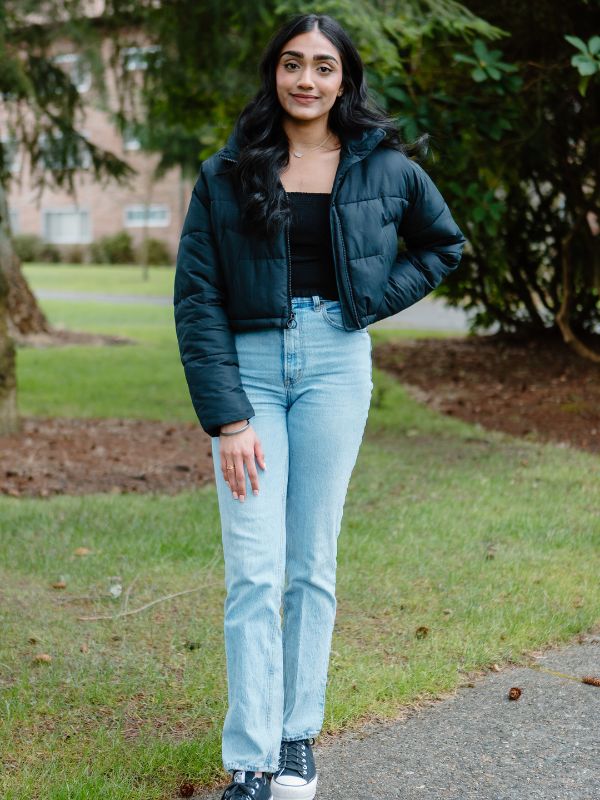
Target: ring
{"x":229,"y":467}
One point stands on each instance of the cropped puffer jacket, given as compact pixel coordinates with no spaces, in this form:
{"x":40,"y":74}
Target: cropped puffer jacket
{"x":227,"y":280}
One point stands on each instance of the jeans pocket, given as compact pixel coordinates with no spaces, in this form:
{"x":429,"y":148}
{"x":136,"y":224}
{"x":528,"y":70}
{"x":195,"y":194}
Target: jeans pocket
{"x":332,"y":314}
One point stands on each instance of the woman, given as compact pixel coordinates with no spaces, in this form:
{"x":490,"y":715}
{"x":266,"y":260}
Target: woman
{"x":288,"y":251}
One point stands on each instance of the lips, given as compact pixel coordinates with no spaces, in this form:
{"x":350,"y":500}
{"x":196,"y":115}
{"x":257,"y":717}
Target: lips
{"x":305,"y":96}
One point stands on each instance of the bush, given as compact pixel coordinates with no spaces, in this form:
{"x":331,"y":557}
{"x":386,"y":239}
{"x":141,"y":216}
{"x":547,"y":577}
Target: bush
{"x":49,"y":253}
{"x":73,"y":254}
{"x":157,"y":253}
{"x":27,"y":246}
{"x":30,"y":247}
{"x":115,"y":249}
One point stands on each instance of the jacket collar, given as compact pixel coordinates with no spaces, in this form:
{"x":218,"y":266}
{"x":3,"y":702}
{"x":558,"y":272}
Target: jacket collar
{"x":354,"y":148}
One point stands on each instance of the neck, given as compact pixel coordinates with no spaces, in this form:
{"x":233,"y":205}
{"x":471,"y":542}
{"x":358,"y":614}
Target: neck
{"x":307,"y":134}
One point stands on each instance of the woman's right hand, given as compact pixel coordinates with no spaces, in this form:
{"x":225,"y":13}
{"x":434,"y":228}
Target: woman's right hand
{"x":236,"y":451}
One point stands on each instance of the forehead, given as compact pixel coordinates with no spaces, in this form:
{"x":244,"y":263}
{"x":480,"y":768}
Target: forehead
{"x":310,"y":45}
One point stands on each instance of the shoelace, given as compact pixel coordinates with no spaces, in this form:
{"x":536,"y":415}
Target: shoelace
{"x":291,"y":755}
{"x":236,"y":789}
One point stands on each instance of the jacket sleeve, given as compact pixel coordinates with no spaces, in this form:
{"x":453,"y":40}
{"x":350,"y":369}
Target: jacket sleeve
{"x":206,"y":341}
{"x":434,"y":244}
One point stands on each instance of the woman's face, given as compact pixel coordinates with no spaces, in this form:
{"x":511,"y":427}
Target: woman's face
{"x":308,"y":65}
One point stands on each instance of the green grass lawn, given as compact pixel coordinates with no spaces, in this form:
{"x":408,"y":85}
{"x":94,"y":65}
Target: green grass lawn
{"x":131,"y":707}
{"x":113,"y":279}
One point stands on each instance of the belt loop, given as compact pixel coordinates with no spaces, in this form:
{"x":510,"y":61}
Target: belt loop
{"x":316,"y":302}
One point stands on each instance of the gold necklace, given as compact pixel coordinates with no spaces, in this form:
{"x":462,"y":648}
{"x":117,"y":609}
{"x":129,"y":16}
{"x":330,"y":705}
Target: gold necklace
{"x":299,"y":155}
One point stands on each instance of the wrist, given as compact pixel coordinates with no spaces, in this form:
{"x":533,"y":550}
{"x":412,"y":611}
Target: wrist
{"x":232,"y":426}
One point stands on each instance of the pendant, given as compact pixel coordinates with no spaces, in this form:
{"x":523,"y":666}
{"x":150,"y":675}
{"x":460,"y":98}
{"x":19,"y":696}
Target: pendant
{"x":298,"y":155}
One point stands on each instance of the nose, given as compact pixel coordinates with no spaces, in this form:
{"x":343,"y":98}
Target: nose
{"x":305,"y":81}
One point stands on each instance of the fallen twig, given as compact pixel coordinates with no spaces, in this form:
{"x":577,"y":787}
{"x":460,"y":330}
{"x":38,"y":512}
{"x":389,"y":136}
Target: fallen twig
{"x":141,"y":608}
{"x":128,"y":592}
{"x":152,"y":602}
{"x":590,"y":680}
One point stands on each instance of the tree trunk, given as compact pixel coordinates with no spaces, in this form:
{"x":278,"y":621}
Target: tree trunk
{"x":563,"y":316}
{"x":24,"y":314}
{"x":9,"y":420}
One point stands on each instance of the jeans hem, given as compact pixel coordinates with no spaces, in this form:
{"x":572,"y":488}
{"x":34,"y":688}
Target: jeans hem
{"x":234,"y":767}
{"x":300,"y":736}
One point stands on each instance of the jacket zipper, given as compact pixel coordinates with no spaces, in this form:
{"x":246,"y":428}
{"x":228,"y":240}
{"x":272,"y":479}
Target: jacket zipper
{"x":291,"y":321}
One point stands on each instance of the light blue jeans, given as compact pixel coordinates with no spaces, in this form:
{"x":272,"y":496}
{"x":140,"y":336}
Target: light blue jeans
{"x":310,"y":387}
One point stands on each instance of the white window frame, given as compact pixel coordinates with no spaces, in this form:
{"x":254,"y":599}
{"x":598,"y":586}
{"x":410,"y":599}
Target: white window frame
{"x":133,"y":57}
{"x":14,"y":221}
{"x":81,"y":239}
{"x":82,"y":80}
{"x":140,"y":207}
{"x":130,"y":142}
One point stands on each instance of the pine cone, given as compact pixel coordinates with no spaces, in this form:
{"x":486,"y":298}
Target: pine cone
{"x":592,"y":680}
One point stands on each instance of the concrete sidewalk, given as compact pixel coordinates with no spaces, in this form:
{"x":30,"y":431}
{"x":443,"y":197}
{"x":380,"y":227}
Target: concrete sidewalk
{"x":430,"y":313}
{"x":478,"y":743}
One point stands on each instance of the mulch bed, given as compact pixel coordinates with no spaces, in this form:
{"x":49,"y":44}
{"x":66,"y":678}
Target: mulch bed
{"x":82,"y":456}
{"x":540,"y":390}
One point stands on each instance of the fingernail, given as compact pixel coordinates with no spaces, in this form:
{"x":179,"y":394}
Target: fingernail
{"x":256,"y":491}
{"x":235,"y":495}
{"x":242,"y":498}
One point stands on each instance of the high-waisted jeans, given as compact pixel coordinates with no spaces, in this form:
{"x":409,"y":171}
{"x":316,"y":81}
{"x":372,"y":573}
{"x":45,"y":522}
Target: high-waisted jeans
{"x":310,"y":387}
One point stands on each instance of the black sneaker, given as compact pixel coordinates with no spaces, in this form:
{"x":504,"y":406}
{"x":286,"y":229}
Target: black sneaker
{"x":296,"y":776}
{"x":245,"y":784}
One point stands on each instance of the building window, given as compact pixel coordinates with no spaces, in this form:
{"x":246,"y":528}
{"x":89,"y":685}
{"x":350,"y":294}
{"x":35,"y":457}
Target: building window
{"x":154,"y":216}
{"x":14,"y":221}
{"x":78,"y":157}
{"x":80,"y":75}
{"x":130,"y":140}
{"x":66,"y":226}
{"x":137,"y":57}
{"x":11,"y":154}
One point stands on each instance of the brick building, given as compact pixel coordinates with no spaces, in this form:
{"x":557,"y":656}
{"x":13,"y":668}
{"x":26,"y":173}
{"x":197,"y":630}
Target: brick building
{"x":145,"y":207}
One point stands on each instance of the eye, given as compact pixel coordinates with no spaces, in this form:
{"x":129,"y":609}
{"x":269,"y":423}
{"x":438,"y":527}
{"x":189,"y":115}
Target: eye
{"x":293,"y":64}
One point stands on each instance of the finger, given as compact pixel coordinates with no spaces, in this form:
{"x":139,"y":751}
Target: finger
{"x":258,"y":451}
{"x":225,"y":460}
{"x":252,"y":473}
{"x":240,"y":477}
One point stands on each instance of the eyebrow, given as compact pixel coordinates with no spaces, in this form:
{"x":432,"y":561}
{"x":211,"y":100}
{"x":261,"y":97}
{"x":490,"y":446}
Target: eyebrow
{"x":318,"y":57}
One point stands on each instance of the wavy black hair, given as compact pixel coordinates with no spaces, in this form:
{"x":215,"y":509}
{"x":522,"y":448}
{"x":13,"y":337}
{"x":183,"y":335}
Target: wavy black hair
{"x":264,"y":147}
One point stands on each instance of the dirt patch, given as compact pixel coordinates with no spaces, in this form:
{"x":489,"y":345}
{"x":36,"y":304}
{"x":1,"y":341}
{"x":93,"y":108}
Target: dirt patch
{"x":81,"y":456}
{"x":539,"y":389}
{"x":62,"y":337}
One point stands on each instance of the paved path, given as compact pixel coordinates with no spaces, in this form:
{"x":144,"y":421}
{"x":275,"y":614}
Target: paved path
{"x":430,"y":313}
{"x":477,"y":744}
{"x":63,"y":294}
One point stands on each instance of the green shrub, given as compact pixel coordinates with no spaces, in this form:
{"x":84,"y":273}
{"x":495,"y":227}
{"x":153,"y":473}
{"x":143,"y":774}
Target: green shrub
{"x":157,"y":253}
{"x":113,"y":249}
{"x":27,"y":246}
{"x":49,"y":254}
{"x":73,"y":254}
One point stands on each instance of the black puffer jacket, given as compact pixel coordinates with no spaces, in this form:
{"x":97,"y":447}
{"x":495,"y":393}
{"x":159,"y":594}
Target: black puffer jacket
{"x":226,"y":281}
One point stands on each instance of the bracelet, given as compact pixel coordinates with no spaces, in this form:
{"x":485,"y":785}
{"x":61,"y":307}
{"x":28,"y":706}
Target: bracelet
{"x":239,"y":430}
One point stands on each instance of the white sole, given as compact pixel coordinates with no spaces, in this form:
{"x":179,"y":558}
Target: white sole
{"x":306,"y":792}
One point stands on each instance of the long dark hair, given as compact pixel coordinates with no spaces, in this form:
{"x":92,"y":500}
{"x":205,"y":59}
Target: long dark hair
{"x":264,"y":148}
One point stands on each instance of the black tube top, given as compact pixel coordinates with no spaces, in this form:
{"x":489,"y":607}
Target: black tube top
{"x":310,"y":244}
